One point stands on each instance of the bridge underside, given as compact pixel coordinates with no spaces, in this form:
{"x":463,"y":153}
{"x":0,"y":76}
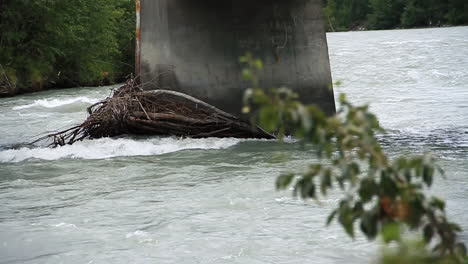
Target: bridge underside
{"x":194,"y":47}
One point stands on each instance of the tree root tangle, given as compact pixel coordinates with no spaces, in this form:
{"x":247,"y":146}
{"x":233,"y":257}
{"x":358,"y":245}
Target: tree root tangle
{"x":132,"y":111}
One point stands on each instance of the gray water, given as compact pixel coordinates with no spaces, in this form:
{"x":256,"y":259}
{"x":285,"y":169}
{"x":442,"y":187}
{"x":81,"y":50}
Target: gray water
{"x":170,"y":200}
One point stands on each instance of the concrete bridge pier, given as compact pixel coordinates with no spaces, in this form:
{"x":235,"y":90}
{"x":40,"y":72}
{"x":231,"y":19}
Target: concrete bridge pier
{"x":194,"y":47}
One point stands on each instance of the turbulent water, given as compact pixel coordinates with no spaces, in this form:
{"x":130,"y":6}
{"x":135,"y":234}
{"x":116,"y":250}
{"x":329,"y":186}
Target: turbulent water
{"x":170,"y":200}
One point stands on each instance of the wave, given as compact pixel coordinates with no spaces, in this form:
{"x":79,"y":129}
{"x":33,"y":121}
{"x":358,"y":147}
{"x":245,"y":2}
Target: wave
{"x":109,"y":148}
{"x":450,"y":143}
{"x":53,"y":103}
{"x":412,"y":42}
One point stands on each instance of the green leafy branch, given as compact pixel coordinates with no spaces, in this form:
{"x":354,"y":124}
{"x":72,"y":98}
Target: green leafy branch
{"x":383,"y":196}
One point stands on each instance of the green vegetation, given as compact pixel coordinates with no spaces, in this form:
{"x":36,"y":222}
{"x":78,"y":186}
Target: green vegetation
{"x":414,"y":252}
{"x":386,"y":14}
{"x":384,"y":197}
{"x":55,"y":43}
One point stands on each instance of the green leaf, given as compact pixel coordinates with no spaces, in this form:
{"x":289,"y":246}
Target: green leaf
{"x":283,"y":181}
{"x":258,"y":64}
{"x":346,"y":219}
{"x":342,"y":98}
{"x":354,"y":171}
{"x":417,"y":211}
{"x":391,"y":232}
{"x":388,"y":185}
{"x":428,"y":233}
{"x":326,"y":181}
{"x":246,"y":74}
{"x":308,"y":190}
{"x":455,"y":227}
{"x":402,"y":163}
{"x":408,"y":175}
{"x":437,"y":203}
{"x":428,"y":173}
{"x":269,"y":118}
{"x":349,"y":228}
{"x":358,"y":209}
{"x":367,"y":189}
{"x":369,"y":224}
{"x":331,"y":217}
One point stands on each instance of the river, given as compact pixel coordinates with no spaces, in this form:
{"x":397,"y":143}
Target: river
{"x":170,"y":200}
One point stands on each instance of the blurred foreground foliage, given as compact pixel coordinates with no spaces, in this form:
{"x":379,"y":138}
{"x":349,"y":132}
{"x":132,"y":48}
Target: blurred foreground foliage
{"x":56,"y":43}
{"x":382,"y":197}
{"x":414,"y":252}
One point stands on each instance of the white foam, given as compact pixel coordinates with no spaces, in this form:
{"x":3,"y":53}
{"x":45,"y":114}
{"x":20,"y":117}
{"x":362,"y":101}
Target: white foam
{"x":53,"y":103}
{"x":137,"y":233}
{"x":108,"y":148}
{"x":140,"y":236}
{"x":65,"y":225}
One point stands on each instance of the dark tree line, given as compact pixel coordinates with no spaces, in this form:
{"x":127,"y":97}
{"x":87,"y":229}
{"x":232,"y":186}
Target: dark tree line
{"x":388,"y":14}
{"x":56,"y":43}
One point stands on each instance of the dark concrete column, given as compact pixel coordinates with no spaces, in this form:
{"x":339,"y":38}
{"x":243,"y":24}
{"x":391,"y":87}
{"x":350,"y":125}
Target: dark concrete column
{"x":194,"y":47}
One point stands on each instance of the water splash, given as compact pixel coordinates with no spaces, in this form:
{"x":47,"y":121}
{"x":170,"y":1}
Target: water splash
{"x":53,"y":103}
{"x":121,"y":147}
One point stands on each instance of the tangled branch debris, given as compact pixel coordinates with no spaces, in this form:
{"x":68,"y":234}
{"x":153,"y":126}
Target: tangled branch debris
{"x":132,"y":111}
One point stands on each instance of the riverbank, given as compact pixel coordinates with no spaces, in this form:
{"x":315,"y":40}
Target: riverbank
{"x":344,"y":15}
{"x":363,"y":27}
{"x":50,"y":44}
{"x":9,"y":86}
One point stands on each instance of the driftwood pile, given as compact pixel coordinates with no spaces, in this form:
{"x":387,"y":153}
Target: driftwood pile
{"x":132,"y":111}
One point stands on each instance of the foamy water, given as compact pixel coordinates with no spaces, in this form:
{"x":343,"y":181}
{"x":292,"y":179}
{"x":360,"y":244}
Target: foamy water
{"x":108,"y":148}
{"x":53,"y":103}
